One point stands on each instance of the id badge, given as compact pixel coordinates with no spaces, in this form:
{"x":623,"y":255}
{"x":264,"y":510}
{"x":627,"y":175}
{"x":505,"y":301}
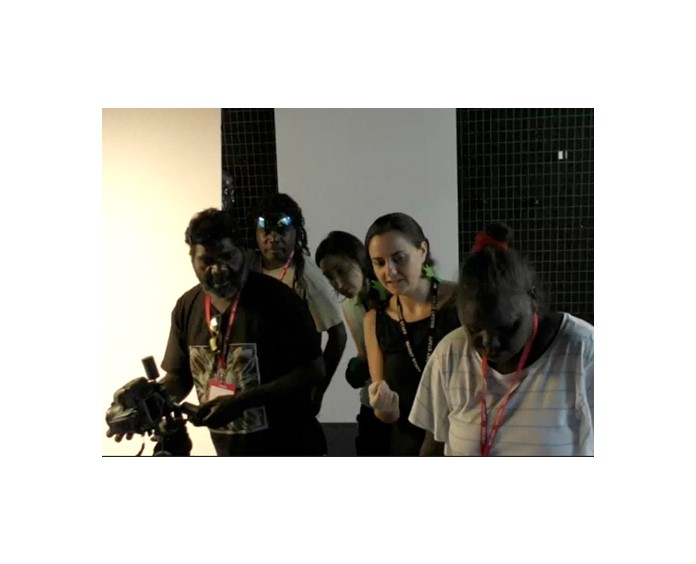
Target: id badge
{"x":218,"y":388}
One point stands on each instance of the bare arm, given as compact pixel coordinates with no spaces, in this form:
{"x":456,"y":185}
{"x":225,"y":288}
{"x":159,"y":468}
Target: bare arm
{"x":358,"y":345}
{"x":357,"y":371}
{"x":448,"y":293}
{"x":375,"y":360}
{"x":177,"y":385}
{"x":333,"y":352}
{"x":374,"y":353}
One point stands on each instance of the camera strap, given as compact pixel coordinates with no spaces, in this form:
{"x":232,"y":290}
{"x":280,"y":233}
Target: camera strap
{"x":221,"y":349}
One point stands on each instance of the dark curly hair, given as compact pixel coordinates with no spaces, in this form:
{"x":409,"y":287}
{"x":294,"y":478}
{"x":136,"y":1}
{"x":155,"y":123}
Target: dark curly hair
{"x":210,"y":226}
{"x":283,"y":204}
{"x":348,"y":246}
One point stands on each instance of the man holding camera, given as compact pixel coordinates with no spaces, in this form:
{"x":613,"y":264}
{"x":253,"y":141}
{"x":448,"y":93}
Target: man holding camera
{"x":249,"y":346}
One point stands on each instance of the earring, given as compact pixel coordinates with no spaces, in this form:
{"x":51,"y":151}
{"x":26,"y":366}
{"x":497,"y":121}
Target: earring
{"x":429,"y":272}
{"x":381,"y":290}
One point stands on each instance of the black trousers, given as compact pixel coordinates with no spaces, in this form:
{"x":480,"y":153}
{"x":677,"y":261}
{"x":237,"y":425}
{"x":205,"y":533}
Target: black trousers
{"x":373,"y":435}
{"x":303,"y":437}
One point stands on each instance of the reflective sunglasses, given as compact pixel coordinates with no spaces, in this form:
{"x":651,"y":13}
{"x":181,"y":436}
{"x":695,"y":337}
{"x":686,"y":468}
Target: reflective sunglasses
{"x":279,"y":223}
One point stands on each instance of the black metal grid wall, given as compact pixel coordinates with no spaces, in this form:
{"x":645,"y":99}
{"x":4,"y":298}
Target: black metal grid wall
{"x":534,"y":170}
{"x":249,"y":164}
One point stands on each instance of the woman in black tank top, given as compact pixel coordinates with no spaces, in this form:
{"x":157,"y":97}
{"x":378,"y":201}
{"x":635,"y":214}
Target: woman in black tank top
{"x":401,"y":335}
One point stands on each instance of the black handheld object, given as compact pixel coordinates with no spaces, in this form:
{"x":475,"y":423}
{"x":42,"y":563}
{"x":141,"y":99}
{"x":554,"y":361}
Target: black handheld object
{"x":152,"y":374}
{"x":150,"y":368}
{"x":357,"y":372}
{"x":143,"y":406}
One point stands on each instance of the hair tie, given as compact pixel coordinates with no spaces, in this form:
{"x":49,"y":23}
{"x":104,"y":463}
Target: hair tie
{"x":484,"y":240}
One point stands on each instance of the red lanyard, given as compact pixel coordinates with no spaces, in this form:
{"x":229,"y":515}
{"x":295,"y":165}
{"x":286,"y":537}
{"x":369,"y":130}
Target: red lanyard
{"x":285,"y":268}
{"x":222,"y":350}
{"x":486,"y":439}
{"x":287,"y":265}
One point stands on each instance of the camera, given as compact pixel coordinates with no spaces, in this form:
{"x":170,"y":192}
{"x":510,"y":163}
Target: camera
{"x":143,"y":406}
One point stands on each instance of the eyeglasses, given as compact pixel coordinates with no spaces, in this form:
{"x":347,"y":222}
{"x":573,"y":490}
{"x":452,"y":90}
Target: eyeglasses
{"x":274,"y":223}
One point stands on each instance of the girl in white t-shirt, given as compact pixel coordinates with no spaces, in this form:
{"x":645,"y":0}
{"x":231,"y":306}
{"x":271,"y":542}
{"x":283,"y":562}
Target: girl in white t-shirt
{"x":342,"y":258}
{"x":516,"y":378}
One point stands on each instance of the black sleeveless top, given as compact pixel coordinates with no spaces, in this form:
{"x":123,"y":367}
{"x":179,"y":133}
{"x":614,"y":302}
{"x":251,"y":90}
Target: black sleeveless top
{"x":401,"y":374}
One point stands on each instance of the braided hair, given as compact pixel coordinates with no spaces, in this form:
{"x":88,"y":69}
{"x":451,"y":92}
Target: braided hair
{"x":284,"y":204}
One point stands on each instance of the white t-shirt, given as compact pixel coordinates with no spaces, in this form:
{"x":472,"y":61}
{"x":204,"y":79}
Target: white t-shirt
{"x":354,"y":313}
{"x":321,"y":298}
{"x":551,"y":413}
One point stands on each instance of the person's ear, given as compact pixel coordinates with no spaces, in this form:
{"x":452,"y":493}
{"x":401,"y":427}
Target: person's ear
{"x":424,"y":248}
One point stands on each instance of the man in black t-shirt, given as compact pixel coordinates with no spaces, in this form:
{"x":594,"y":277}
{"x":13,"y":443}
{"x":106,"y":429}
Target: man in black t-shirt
{"x":249,"y":346}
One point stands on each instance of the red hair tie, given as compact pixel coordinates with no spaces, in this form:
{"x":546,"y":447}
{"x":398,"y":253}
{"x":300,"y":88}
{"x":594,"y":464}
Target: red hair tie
{"x":483,"y":240}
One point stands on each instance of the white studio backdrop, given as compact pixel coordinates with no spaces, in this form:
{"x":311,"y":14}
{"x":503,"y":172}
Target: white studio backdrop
{"x":346,"y":167}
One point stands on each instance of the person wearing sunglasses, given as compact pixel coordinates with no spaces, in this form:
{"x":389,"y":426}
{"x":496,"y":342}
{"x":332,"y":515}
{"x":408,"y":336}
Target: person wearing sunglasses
{"x":516,"y":379}
{"x":282,"y":247}
{"x":248,"y":346}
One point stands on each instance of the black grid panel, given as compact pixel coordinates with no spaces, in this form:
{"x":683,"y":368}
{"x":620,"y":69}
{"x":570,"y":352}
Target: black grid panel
{"x":249,"y":164}
{"x":534,"y":170}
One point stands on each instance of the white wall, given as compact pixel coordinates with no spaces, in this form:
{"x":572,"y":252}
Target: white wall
{"x":346,"y":167}
{"x":159,"y":167}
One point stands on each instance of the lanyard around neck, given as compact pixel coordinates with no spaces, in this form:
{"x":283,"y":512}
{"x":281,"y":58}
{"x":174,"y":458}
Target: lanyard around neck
{"x":221,"y":349}
{"x":431,"y":331}
{"x":285,"y":267}
{"x":486,"y":439}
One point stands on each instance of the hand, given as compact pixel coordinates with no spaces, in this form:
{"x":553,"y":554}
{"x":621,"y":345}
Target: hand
{"x":220,"y":411}
{"x":382,"y":398}
{"x":109,"y":433}
{"x":119,"y":438}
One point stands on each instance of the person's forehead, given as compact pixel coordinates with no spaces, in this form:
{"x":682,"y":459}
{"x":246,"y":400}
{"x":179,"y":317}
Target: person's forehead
{"x":388,"y":243}
{"x":332,"y":262}
{"x":222,"y":246}
{"x":492,"y":309}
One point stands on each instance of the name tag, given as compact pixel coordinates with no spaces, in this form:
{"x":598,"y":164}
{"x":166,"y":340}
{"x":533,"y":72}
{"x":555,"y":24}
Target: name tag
{"x":217,"y":389}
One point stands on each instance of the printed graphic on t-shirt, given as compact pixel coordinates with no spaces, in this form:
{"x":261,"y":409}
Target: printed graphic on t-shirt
{"x":242,"y":371}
